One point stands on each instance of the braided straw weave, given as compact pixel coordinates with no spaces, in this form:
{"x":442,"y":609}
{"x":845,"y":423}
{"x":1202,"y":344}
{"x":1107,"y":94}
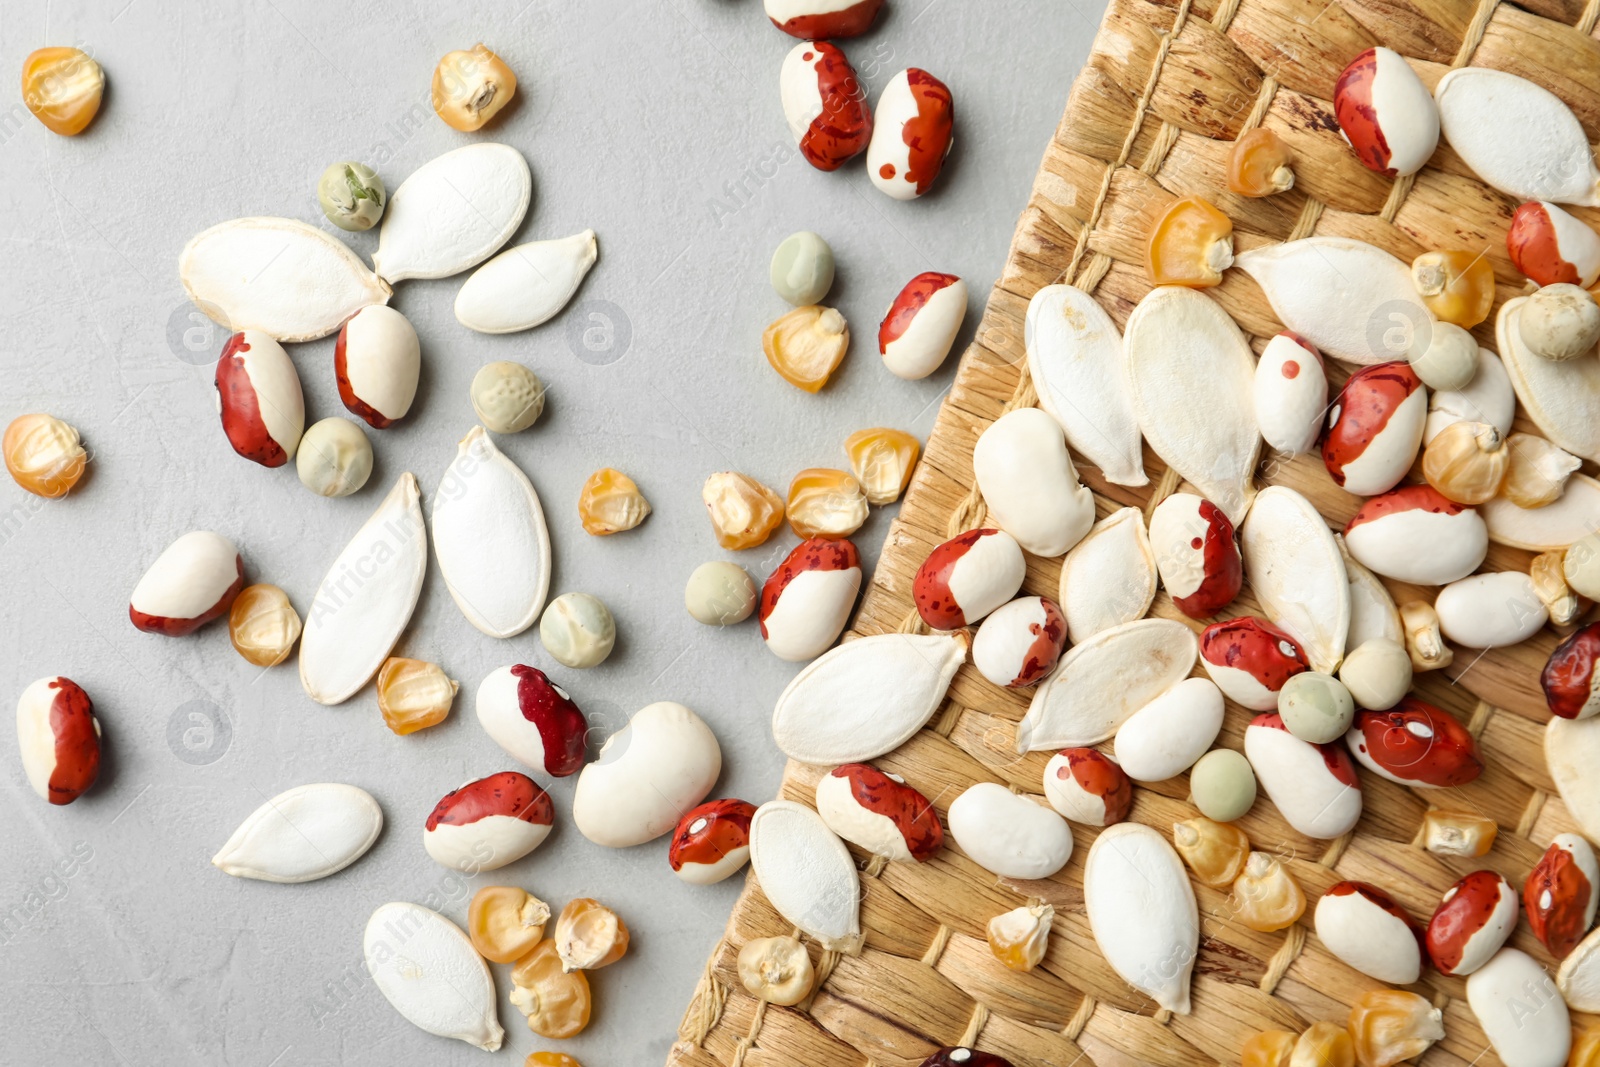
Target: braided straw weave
{"x":1168,"y":86}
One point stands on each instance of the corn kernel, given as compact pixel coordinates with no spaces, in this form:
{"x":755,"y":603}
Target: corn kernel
{"x":777,"y":970}
{"x":1266,"y":897}
{"x":44,"y":455}
{"x":1457,"y":286}
{"x":1467,"y":462}
{"x":1585,"y":1050}
{"x":414,"y":694}
{"x":806,"y":345}
{"x":1324,"y":1045}
{"x":882,"y":461}
{"x":1267,"y":1048}
{"x":1215,"y":851}
{"x":1549,"y":576}
{"x":1424,"y":642}
{"x":1458,"y":833}
{"x":1018,"y":938}
{"x":589,"y":935}
{"x":1259,"y":164}
{"x":1538,"y":471}
{"x":826,"y":503}
{"x":262,"y":625}
{"x":743,"y":511}
{"x":63,"y":88}
{"x":1190,"y":244}
{"x":610,"y":503}
{"x":505,"y":922}
{"x":1389,"y":1026}
{"x":550,"y":1059}
{"x":470,"y":87}
{"x":557,"y":1003}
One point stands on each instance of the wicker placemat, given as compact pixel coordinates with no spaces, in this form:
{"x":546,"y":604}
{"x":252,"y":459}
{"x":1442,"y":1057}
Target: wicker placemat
{"x":1167,"y":88}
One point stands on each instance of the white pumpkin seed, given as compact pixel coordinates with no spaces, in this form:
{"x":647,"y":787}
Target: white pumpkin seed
{"x":1191,"y":376}
{"x":1100,"y":683}
{"x":427,"y":968}
{"x":1373,"y":613}
{"x":289,"y":280}
{"x":1561,"y":397}
{"x":1296,"y":570}
{"x":303,"y":834}
{"x":1109,"y":577}
{"x":490,"y":538}
{"x":1571,"y":753}
{"x":1487,"y":398}
{"x":1571,"y":517}
{"x":1075,"y":357}
{"x":1579,"y":976}
{"x":453,"y":212}
{"x":1353,"y":300}
{"x":806,"y":873}
{"x":1517,"y":136}
{"x":866,"y":697}
{"x":1142,"y":912}
{"x":366,"y":599}
{"x":525,"y":286}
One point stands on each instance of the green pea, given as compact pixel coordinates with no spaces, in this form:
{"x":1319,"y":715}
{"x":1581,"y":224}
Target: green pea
{"x":1223,"y":785}
{"x":720,"y":593}
{"x":802,"y":269}
{"x":352,"y":196}
{"x":1316,"y":707}
{"x":578,"y":630}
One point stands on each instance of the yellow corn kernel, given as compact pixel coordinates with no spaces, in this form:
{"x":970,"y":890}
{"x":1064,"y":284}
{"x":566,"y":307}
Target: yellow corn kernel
{"x":610,"y":503}
{"x":1259,"y":163}
{"x":1267,"y":1048}
{"x":1424,"y":643}
{"x":1389,"y":1026}
{"x":1458,"y":833}
{"x":777,"y":970}
{"x":882,"y":460}
{"x":1538,"y":471}
{"x":1215,"y":851}
{"x":1266,"y":897}
{"x":550,"y":1059}
{"x":470,"y":87}
{"x":414,"y":694}
{"x":556,"y":1002}
{"x":806,"y":345}
{"x":743,"y":511}
{"x":1190,"y":244}
{"x":1324,"y":1045}
{"x":1467,"y":462}
{"x":1018,"y":938}
{"x":589,"y":935}
{"x":44,"y":455}
{"x":1457,"y":286}
{"x":1585,"y":1050}
{"x":262,"y":625}
{"x":63,"y":88}
{"x":826,"y":503}
{"x":505,"y":922}
{"x":1548,"y":572}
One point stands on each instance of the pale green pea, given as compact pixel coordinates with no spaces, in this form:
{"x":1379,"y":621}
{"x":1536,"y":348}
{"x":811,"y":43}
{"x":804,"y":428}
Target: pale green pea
{"x":578,"y":630}
{"x":1223,"y":785}
{"x":1316,"y":707}
{"x":352,"y":196}
{"x":802,"y":269}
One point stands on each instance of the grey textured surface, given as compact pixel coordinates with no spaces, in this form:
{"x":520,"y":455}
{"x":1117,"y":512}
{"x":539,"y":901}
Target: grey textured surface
{"x":655,"y":123}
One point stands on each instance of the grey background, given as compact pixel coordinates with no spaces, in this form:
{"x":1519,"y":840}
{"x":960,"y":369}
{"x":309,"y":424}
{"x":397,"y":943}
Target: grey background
{"x":657,"y":123}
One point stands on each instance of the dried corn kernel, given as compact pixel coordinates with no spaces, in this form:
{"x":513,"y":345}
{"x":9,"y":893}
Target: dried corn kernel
{"x":1190,"y":244}
{"x":556,"y":1002}
{"x":1457,"y":286}
{"x":882,"y":460}
{"x":1019,"y":937}
{"x":826,"y":503}
{"x":1324,"y":1045}
{"x":470,"y":87}
{"x":1548,"y":572}
{"x":262,"y":625}
{"x":806,"y":345}
{"x":1585,"y":1050}
{"x":505,"y":922}
{"x":1538,"y":471}
{"x":1388,"y":1026}
{"x":1467,"y":462}
{"x":44,"y":455}
{"x":1267,"y":1048}
{"x":550,"y":1059}
{"x":1258,"y":165}
{"x":1266,"y":897}
{"x":777,"y":970}
{"x":743,"y":511}
{"x":589,"y":935}
{"x":1458,"y":833}
{"x":610,"y":503}
{"x":1215,"y":851}
{"x":414,"y":694}
{"x":63,"y":88}
{"x":1424,"y":643}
